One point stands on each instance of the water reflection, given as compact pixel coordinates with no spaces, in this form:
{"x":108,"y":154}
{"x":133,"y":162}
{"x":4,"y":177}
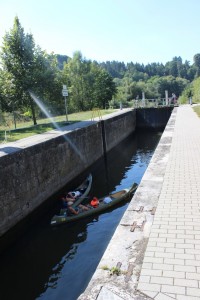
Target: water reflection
{"x":39,"y":255}
{"x":57,"y":263}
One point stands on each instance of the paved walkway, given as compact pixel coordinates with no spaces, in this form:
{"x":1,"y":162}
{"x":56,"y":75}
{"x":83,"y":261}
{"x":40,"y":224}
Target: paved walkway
{"x":171,"y":265}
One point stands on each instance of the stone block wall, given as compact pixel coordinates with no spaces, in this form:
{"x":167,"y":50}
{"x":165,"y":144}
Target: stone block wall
{"x":153,"y":118}
{"x":29,"y":175}
{"x":118,"y":128}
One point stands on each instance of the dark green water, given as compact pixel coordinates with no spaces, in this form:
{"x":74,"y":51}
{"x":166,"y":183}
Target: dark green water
{"x":49,"y":263}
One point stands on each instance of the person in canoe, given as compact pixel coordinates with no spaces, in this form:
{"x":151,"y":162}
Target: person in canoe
{"x":70,"y":199}
{"x":64,"y":201}
{"x":75,"y":194}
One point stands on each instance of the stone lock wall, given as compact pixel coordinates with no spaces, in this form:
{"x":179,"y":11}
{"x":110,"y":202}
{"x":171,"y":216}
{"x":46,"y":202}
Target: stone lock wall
{"x":153,"y":118}
{"x":118,"y":128}
{"x":31,"y":173}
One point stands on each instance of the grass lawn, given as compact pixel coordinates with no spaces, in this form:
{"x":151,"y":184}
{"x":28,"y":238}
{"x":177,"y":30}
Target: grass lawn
{"x":197,"y":109}
{"x":25,"y":129}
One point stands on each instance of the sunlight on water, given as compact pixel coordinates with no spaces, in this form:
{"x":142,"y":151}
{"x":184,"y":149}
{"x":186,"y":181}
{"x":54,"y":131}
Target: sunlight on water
{"x":48,"y":115}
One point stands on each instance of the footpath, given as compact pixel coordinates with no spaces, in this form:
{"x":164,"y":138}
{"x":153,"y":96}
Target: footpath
{"x":155,"y":250}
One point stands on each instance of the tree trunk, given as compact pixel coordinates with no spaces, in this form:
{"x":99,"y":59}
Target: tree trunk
{"x":33,"y":112}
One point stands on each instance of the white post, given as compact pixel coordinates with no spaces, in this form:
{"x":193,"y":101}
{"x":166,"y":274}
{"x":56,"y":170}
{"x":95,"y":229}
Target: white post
{"x":66,"y":109}
{"x":143,"y":98}
{"x":166,"y":97}
{"x":65,"y":93}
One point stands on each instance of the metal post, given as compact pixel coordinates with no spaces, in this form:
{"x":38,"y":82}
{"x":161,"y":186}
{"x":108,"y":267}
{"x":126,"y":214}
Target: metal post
{"x":143,"y":99}
{"x":66,"y":108}
{"x":14,"y":117}
{"x":65,"y":93}
{"x":166,"y":98}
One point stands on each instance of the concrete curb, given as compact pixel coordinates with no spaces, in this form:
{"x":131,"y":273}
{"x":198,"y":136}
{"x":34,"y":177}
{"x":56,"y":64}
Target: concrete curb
{"x":126,"y":249}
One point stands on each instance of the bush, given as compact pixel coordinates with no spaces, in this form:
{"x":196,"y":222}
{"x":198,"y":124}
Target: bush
{"x":27,"y":114}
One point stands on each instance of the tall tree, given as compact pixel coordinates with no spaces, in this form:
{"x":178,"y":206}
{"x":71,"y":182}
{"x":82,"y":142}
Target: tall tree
{"x":18,"y":60}
{"x":75,"y":73}
{"x":89,"y":85}
{"x":104,"y":87}
{"x":27,"y":66}
{"x":197,"y":64}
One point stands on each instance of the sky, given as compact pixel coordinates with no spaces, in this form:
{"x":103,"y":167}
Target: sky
{"x":143,"y":31}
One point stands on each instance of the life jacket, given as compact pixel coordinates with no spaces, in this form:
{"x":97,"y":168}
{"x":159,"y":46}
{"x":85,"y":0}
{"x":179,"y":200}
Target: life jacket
{"x":94,"y":202}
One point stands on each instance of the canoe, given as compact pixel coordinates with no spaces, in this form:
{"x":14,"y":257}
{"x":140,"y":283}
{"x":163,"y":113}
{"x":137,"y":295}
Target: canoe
{"x":116,"y":198}
{"x":84,"y":188}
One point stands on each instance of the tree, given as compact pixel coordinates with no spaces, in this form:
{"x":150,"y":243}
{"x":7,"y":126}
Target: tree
{"x":3,"y":104}
{"x":196,"y":89}
{"x":61,"y":59}
{"x":89,"y":85}
{"x":48,"y":80}
{"x":27,"y":66}
{"x":104,"y":87}
{"x":75,"y":75}
{"x":18,"y":60}
{"x":197,"y":64}
{"x":170,"y":83}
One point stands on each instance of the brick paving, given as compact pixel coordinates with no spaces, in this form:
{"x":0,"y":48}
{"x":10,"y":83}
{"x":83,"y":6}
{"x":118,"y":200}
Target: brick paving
{"x":171,"y":266}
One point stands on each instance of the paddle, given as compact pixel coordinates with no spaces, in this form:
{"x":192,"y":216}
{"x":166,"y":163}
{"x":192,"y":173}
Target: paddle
{"x":79,"y":200}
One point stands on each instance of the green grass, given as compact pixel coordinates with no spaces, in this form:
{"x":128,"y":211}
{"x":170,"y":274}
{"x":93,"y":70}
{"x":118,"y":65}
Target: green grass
{"x":26,"y":129}
{"x":197,"y":110}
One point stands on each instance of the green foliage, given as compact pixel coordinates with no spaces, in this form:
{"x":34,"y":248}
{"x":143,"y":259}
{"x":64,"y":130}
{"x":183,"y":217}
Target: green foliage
{"x":197,"y":110}
{"x":191,"y":90}
{"x":114,"y":68}
{"x":25,"y":67}
{"x":106,"y":268}
{"x":153,"y":79}
{"x":27,"y":114}
{"x":153,"y":88}
{"x":187,"y":93}
{"x":2,"y":119}
{"x":61,"y":59}
{"x":136,"y":71}
{"x":76,"y":76}
{"x":197,"y":64}
{"x":89,"y":85}
{"x":196,"y":90}
{"x":18,"y":64}
{"x":104,"y":87}
{"x":113,"y":270}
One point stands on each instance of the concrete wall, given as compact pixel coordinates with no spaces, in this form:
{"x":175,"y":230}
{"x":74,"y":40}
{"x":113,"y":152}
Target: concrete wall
{"x":153,"y":118}
{"x":118,"y":128}
{"x":33,"y":169}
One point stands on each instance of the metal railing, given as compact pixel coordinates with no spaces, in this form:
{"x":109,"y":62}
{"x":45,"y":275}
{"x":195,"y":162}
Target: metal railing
{"x":160,"y":102}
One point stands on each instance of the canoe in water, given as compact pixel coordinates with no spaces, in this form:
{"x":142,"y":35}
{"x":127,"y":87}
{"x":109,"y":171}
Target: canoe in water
{"x":115,"y":198}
